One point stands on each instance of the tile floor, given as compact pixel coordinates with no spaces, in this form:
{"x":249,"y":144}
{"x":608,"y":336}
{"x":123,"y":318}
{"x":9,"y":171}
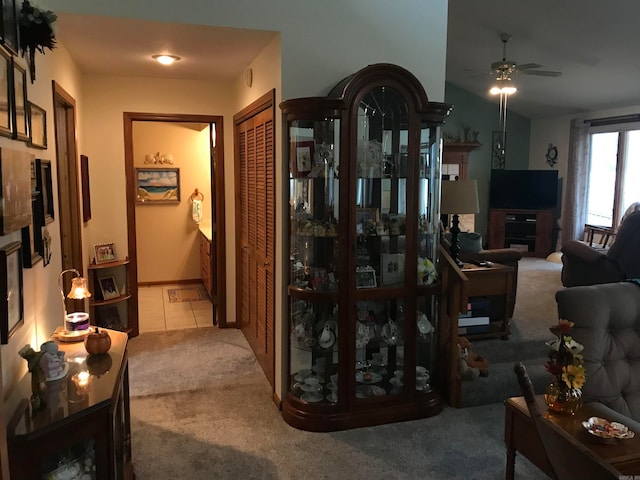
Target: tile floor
{"x":156,"y":314}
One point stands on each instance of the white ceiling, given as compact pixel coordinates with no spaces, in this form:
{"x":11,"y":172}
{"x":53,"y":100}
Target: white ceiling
{"x":118,"y":46}
{"x":593,"y":42}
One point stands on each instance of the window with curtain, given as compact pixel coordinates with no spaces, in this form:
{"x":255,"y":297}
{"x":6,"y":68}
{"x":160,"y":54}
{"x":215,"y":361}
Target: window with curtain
{"x":614,"y":170}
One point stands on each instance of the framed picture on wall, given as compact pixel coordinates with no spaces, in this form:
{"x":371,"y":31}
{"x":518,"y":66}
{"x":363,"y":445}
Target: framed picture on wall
{"x":43,"y":170}
{"x":11,"y":296}
{"x":9,"y":26}
{"x":37,"y":126}
{"x":157,"y":185}
{"x":15,"y":196}
{"x":21,"y":127}
{"x":6,"y":99}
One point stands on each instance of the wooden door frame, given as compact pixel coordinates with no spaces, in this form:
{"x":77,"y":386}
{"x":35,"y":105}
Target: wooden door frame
{"x":217,"y":186}
{"x":62,"y":98}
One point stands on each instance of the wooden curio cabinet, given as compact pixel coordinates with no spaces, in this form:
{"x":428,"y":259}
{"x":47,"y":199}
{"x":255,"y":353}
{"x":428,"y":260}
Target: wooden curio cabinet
{"x":364,"y":191}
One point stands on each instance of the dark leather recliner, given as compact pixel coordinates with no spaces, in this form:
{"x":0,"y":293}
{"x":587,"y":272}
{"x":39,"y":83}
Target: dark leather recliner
{"x":583,"y":265}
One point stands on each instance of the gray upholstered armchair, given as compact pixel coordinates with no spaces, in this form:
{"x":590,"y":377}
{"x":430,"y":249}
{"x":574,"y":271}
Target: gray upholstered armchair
{"x":607,"y":323}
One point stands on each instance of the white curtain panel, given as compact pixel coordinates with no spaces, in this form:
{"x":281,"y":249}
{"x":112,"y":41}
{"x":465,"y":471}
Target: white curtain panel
{"x":574,"y":212}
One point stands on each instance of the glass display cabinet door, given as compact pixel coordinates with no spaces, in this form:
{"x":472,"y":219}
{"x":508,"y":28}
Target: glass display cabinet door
{"x":380,"y":242}
{"x":314,"y":260}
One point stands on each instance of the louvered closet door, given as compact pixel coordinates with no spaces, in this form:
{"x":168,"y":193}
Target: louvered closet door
{"x":257,"y":237}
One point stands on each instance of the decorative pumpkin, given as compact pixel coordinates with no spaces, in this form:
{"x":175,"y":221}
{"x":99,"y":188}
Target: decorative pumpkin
{"x":97,"y":342}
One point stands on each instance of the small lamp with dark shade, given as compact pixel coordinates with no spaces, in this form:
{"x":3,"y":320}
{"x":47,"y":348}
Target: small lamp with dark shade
{"x":457,"y":198}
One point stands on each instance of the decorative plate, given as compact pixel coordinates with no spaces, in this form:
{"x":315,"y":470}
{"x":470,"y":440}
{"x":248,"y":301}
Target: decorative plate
{"x":606,"y":430}
{"x":368,"y":377}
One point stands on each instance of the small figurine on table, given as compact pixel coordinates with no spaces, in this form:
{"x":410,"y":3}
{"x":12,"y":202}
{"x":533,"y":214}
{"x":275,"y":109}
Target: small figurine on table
{"x":38,"y":376}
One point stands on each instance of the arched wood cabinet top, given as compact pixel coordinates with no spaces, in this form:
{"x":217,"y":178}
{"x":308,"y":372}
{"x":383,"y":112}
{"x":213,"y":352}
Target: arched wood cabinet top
{"x":348,"y":91}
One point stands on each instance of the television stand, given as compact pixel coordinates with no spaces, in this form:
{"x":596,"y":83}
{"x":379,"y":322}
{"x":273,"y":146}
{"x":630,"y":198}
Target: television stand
{"x":530,"y":231}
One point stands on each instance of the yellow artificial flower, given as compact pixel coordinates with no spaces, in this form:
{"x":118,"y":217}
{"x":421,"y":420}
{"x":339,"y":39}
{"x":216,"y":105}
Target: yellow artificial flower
{"x":574,"y":376}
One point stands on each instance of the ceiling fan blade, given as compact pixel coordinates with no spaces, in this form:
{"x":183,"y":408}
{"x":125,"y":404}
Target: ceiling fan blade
{"x":542,"y":73}
{"x":527,"y":66}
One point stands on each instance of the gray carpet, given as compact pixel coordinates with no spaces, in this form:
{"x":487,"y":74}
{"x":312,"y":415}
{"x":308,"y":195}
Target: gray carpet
{"x":201,"y":409}
{"x":535,"y":311}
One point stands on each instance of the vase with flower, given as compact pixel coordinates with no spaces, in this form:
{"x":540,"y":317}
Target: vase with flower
{"x":566,"y":365}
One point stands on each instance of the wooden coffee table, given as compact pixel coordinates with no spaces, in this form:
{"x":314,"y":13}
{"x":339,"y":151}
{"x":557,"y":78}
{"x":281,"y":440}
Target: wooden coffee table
{"x":489,"y":281}
{"x":520,"y":435}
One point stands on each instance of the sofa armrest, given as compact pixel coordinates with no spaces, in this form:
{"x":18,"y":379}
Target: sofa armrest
{"x":582,"y":265}
{"x":581,"y":251}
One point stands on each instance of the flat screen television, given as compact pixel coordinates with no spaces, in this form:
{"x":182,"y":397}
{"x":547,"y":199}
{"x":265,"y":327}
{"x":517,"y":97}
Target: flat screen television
{"x":523,"y":189}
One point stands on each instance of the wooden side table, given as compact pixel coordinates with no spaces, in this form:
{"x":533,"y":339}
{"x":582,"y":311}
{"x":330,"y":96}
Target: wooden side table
{"x":520,"y":435}
{"x":489,"y":281}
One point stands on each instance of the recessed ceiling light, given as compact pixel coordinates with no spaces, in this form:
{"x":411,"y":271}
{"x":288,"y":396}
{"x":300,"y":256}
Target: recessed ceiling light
{"x":165,"y":59}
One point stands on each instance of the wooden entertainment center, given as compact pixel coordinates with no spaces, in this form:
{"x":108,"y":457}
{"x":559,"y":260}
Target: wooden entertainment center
{"x":530,"y":231}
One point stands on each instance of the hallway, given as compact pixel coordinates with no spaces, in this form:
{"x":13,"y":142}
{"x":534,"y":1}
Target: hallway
{"x":173,"y":307}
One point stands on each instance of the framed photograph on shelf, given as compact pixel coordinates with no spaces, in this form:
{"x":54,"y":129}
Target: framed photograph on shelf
{"x":302,"y":158}
{"x":109,"y":317}
{"x":365,"y":277}
{"x":11,"y":296}
{"x":20,"y":123}
{"x":10,"y":26}
{"x":6,"y":98}
{"x":157,"y":185}
{"x":108,"y":287}
{"x":392,"y":269}
{"x":105,"y":252}
{"x":37,"y":126}
{"x":367,"y":220}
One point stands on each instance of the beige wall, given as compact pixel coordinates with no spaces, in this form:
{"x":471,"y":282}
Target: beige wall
{"x":42,"y":304}
{"x":166,"y":236}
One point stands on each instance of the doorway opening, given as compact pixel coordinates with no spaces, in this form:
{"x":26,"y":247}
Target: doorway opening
{"x":177,"y":210}
{"x":64,"y":109}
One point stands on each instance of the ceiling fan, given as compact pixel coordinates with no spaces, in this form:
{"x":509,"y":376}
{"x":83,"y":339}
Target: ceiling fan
{"x":505,"y":68}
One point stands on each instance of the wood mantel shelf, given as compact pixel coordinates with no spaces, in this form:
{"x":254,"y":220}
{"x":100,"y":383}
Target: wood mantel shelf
{"x":459,"y":153}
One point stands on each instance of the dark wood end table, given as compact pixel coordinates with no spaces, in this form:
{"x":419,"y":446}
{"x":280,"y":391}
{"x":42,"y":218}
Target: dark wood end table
{"x":489,"y":281}
{"x":520,"y":435}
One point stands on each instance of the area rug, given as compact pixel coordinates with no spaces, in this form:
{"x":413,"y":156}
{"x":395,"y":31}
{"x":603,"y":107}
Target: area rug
{"x":187,"y":294}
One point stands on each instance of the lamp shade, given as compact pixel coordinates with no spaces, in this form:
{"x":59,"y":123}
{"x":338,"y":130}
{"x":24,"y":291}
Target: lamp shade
{"x":459,"y":197}
{"x":78,"y":289}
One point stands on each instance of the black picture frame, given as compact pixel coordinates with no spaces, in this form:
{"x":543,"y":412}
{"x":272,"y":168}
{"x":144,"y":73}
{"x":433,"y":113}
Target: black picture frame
{"x":6,"y":94}
{"x":32,"y":242}
{"x":11,"y":291}
{"x":20,"y":120}
{"x":43,"y":169}
{"x":37,"y":125}
{"x":10,"y":31}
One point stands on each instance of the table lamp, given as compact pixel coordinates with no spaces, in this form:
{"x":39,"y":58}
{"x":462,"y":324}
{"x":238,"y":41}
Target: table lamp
{"x":458,"y":197}
{"x":76,"y":324}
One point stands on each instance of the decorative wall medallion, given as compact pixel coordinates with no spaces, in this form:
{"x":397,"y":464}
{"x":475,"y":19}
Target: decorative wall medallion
{"x":552,"y":155}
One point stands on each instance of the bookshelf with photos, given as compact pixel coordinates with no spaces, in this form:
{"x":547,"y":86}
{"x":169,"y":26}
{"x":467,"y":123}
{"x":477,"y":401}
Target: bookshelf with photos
{"x":112,"y":304}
